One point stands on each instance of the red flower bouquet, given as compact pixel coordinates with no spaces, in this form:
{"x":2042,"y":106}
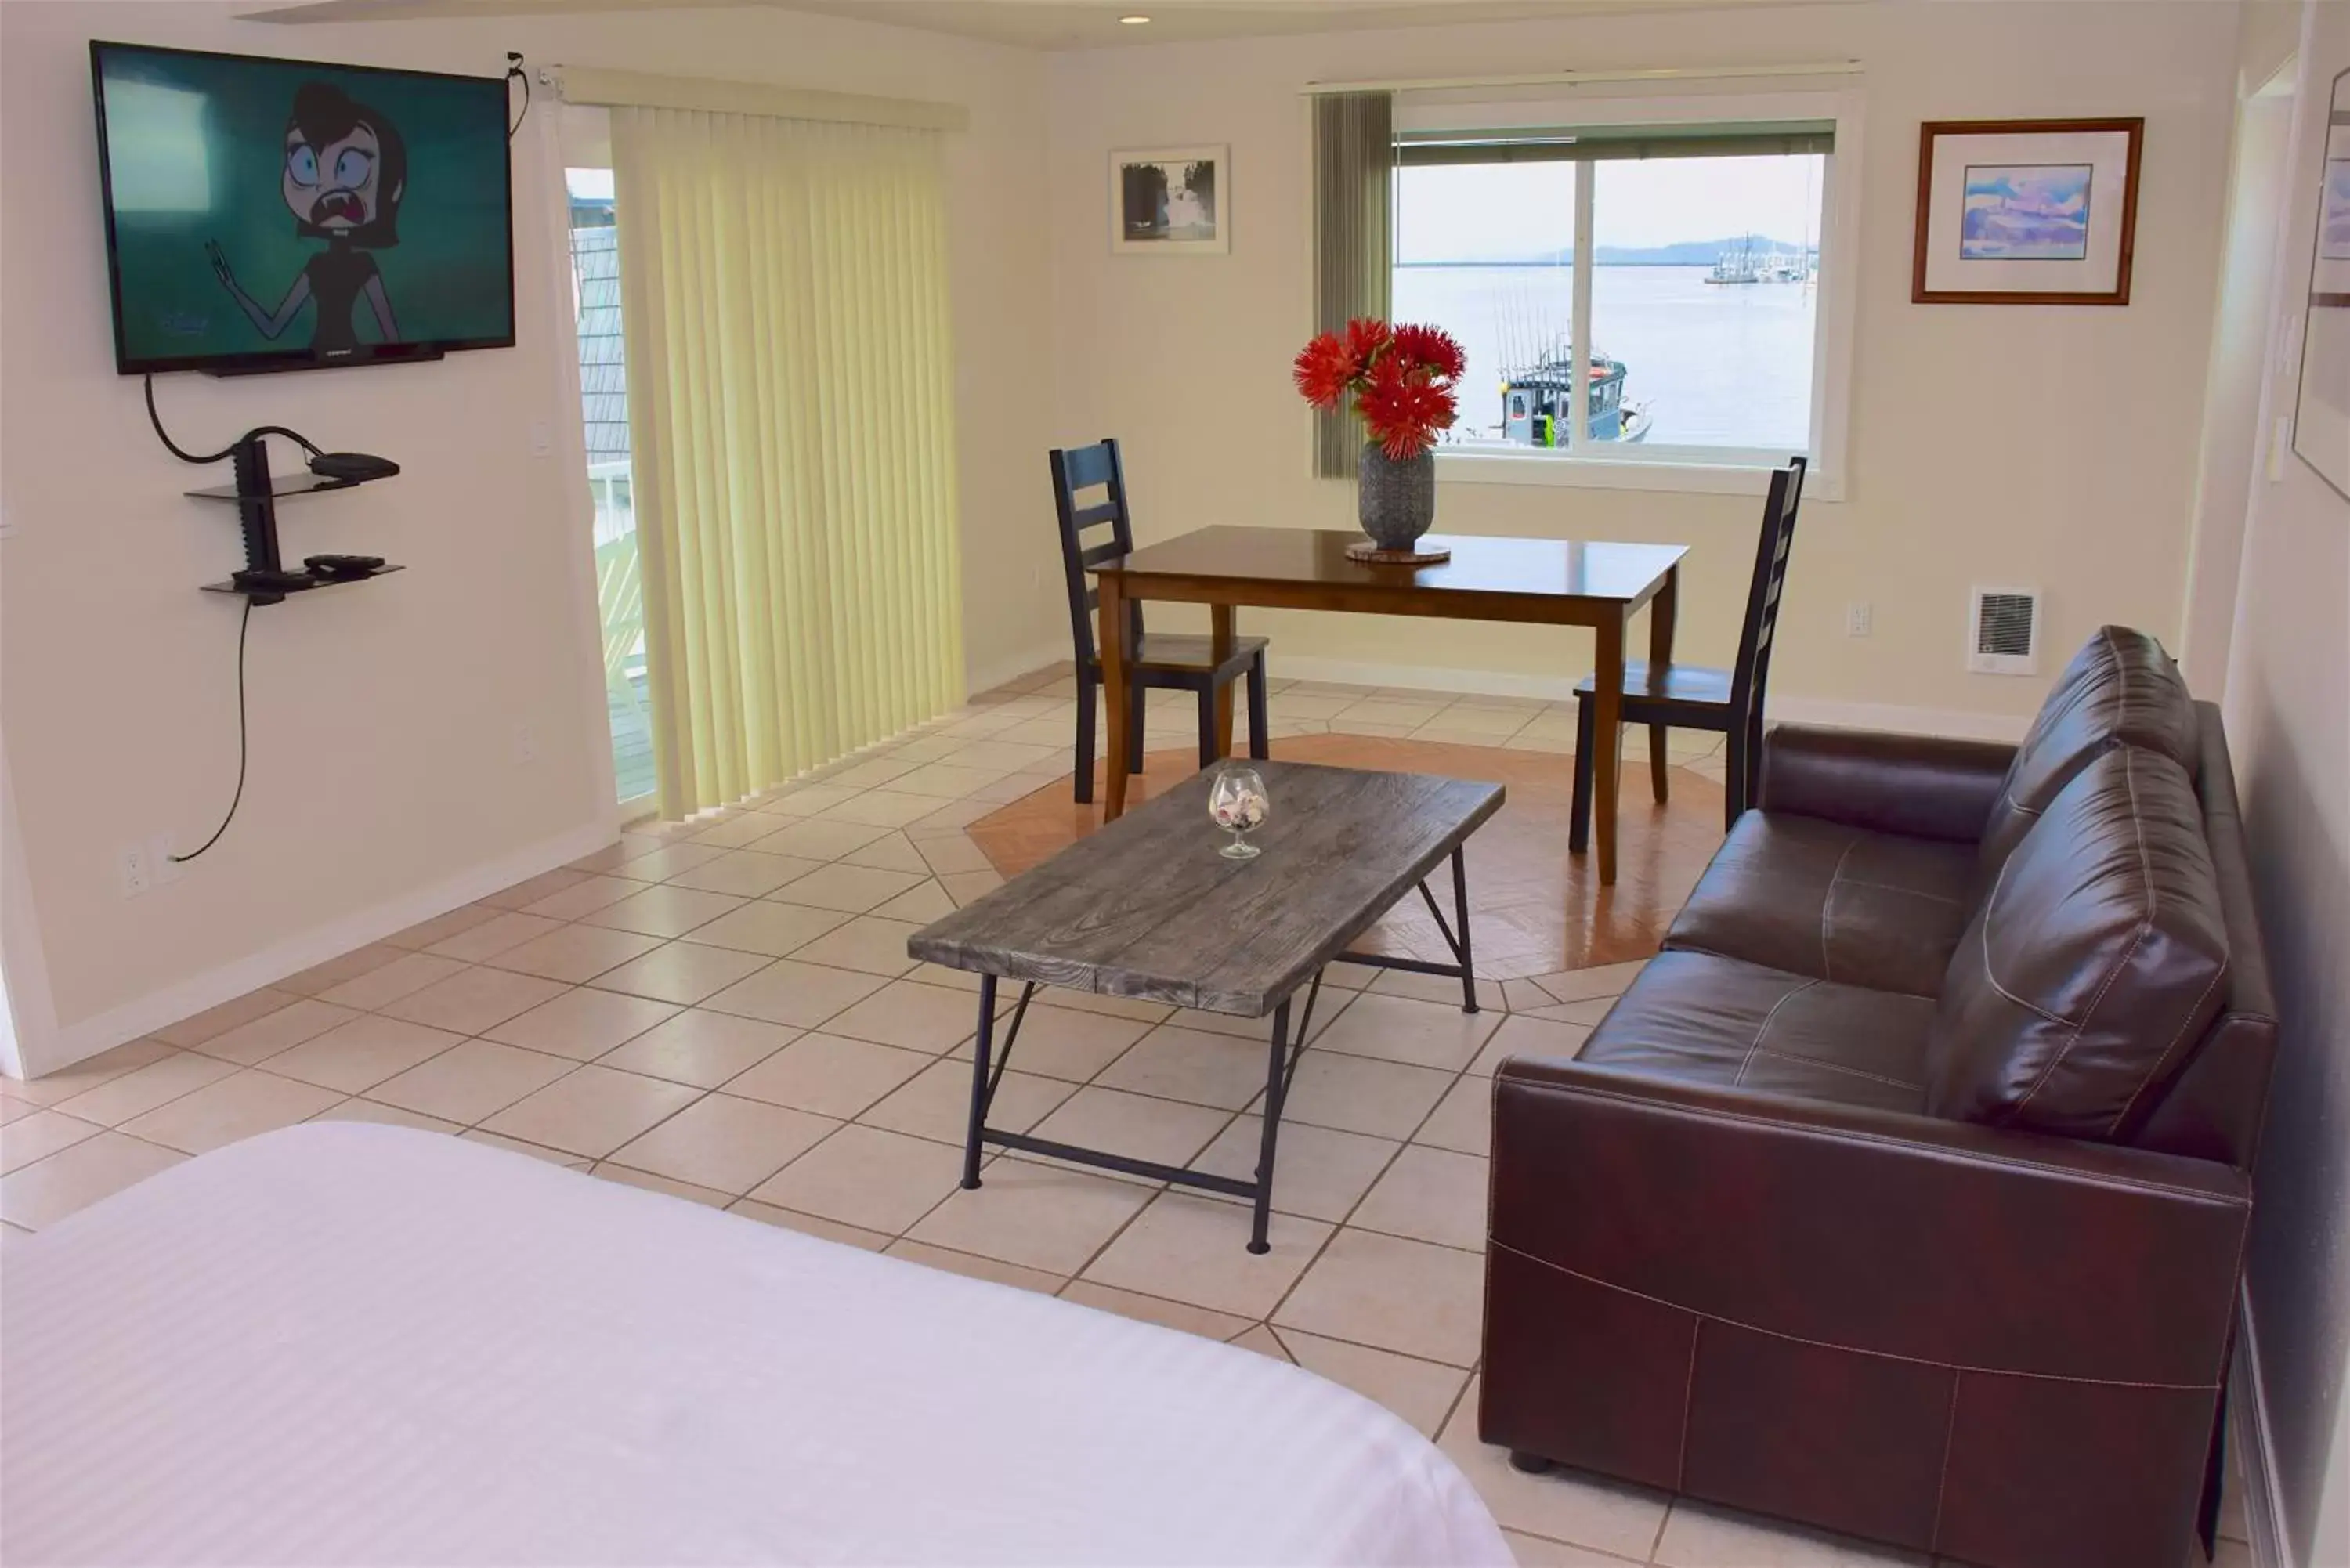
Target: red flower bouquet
{"x":1400,"y":379}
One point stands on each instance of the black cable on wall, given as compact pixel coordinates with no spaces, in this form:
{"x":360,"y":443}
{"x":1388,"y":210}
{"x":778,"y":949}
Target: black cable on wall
{"x":244,"y":628}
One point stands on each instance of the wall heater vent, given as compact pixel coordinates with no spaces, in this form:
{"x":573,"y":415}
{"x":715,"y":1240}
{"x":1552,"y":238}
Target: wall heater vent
{"x":2005,"y":639}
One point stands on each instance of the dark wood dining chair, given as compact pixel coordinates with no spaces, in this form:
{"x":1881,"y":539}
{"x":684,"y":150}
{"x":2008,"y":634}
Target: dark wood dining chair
{"x":1166,"y":661}
{"x":1694,"y":696}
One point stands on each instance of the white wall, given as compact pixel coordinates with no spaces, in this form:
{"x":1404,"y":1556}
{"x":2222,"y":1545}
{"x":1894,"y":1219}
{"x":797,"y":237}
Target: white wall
{"x":384,"y":778}
{"x":1993,"y":444}
{"x":2244,"y":311}
{"x":2288,"y":710}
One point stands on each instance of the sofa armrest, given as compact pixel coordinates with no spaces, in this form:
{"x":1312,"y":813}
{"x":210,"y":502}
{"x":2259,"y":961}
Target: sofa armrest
{"x":1919,"y":786}
{"x":1895,"y":1235}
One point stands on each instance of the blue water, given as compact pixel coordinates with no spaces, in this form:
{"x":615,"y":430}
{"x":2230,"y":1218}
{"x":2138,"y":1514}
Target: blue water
{"x":1716,"y":366}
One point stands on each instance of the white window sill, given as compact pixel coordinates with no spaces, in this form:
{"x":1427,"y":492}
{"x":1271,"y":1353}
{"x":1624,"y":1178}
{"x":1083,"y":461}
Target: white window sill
{"x":1695,"y":473}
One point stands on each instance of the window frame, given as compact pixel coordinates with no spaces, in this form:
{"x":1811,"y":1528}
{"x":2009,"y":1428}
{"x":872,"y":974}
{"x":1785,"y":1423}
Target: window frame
{"x":1701,"y":470}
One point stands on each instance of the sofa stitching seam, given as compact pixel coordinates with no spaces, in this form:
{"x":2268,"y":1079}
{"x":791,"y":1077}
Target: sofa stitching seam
{"x":1827,"y":908}
{"x":2104,"y":1181}
{"x":1982,"y":932}
{"x":2145,"y":924}
{"x":1897,"y":887}
{"x":1756,"y":1043}
{"x":1942,"y":1480}
{"x":1689,"y":1399}
{"x":1953,"y":1367}
{"x":1680,"y":945}
{"x":2227,"y":1344}
{"x":1840,"y":1068}
{"x":2161,"y":1062}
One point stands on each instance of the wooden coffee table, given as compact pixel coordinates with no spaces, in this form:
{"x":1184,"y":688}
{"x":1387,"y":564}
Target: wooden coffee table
{"x":1146,"y":908}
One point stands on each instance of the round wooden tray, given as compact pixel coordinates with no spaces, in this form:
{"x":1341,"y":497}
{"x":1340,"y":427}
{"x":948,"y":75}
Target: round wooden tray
{"x":1364,"y":550}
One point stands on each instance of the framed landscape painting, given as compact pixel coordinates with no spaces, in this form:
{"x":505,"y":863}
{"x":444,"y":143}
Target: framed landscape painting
{"x":2329,"y":278}
{"x":2026,"y":211}
{"x":2321,"y":420}
{"x":1171,"y":202}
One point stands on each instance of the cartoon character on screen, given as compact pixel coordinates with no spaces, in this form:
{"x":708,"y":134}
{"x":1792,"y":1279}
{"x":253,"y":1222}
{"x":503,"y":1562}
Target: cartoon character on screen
{"x":346,"y":170}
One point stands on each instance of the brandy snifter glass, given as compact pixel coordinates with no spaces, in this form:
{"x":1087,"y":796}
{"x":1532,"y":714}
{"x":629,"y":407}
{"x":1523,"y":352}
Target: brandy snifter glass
{"x":1237,"y":803}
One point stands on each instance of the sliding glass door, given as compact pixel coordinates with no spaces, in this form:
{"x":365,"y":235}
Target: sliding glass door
{"x":603,"y":398}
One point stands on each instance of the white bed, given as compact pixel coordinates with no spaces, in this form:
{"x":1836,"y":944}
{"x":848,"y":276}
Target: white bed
{"x":344,"y":1343}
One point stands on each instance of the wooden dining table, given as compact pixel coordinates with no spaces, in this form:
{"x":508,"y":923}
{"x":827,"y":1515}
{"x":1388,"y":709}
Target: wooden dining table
{"x":1540,"y":582}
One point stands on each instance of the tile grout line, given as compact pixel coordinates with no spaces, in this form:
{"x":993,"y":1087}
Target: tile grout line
{"x":703,"y":1092}
{"x":879,"y":752}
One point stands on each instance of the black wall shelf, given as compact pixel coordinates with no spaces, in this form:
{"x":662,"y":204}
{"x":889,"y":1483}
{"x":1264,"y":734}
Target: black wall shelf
{"x":271,"y":596}
{"x":282,"y":487}
{"x":255,"y":495}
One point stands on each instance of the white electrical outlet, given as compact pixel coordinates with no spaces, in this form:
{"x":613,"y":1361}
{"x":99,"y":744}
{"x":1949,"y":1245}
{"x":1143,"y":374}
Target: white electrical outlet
{"x":525,"y":745}
{"x":131,"y":869}
{"x":1859,"y":618}
{"x":161,"y":869}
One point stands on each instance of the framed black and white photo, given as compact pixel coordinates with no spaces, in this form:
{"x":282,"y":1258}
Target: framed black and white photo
{"x":2026,"y":211}
{"x":1170,"y":202}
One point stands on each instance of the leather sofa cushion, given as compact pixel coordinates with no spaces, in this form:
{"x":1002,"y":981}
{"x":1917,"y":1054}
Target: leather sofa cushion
{"x":1827,"y":901}
{"x":1698,"y":1018}
{"x":2121,"y":689}
{"x":2094,"y":965}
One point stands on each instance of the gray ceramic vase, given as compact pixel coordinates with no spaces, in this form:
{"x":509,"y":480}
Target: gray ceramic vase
{"x":1395,"y":501}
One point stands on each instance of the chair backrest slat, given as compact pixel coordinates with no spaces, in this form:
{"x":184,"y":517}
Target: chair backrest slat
{"x":1090,"y":465}
{"x":1082,"y":468}
{"x":1751,"y":676}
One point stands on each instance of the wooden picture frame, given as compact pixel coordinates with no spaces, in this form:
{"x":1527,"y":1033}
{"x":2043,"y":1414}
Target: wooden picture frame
{"x":2026,"y":211}
{"x":2320,"y":406}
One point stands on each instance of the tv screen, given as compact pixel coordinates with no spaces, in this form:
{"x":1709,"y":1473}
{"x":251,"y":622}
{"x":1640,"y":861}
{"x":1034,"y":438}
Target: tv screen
{"x":277,"y":215}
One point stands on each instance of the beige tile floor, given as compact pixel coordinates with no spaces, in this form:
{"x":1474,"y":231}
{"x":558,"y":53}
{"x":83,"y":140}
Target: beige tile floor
{"x":723,"y":1010}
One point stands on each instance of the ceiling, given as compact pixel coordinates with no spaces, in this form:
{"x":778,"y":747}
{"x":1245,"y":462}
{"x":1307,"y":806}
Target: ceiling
{"x":1047,"y":24}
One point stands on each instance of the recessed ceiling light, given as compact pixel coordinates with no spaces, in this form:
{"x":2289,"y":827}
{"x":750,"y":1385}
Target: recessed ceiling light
{"x":1135,"y":21}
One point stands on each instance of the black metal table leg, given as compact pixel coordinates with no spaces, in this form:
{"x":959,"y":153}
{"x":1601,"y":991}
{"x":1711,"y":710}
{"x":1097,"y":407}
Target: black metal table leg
{"x":981,"y":1048}
{"x":1460,"y":916}
{"x":1277,"y":1089}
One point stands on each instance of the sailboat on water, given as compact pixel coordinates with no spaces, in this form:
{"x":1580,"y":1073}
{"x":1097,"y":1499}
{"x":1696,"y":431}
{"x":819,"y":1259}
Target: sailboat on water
{"x":1746,"y":265}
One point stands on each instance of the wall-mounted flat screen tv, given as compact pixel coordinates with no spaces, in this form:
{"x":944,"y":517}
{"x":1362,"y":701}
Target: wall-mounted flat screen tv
{"x":265,"y":214}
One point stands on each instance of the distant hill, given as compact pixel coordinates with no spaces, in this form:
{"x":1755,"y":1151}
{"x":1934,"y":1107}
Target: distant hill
{"x":1680,"y":253}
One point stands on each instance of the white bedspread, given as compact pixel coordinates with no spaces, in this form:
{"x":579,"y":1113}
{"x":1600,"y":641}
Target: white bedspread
{"x":344,"y":1343}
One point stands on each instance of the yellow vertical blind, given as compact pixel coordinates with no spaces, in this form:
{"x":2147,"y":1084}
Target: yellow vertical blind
{"x":791,"y":419}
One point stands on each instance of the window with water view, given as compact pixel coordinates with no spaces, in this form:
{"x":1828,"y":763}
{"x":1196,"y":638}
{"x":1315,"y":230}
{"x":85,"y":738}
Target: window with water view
{"x":1704,"y":297}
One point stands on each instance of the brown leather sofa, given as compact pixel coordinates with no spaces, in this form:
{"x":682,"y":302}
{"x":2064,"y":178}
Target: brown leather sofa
{"x":1905,"y":1193}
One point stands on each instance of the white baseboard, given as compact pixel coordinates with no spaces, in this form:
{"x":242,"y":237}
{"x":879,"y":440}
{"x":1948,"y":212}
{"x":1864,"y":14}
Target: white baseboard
{"x":104,"y":1031}
{"x":1561,"y":688}
{"x":1422,"y":677}
{"x":996,"y":671}
{"x":2255,"y":1454}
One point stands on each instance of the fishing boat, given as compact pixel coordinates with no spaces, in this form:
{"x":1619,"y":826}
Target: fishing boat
{"x":1746,"y":265}
{"x":1739,"y":266}
{"x":1536,"y":402}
